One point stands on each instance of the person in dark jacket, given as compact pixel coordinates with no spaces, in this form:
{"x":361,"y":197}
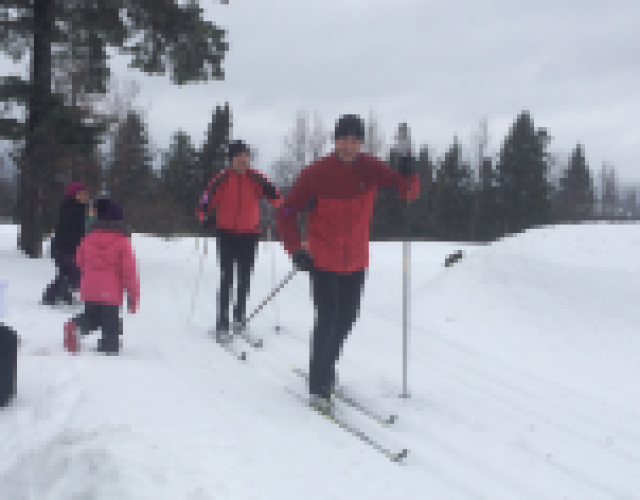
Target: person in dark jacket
{"x":338,"y":193}
{"x":235,"y":194}
{"x":68,"y":233}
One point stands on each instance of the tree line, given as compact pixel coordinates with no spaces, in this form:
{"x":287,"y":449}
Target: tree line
{"x":467,"y":193}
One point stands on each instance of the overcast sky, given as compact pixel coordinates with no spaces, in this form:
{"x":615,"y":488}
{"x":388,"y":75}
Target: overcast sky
{"x":441,"y":66}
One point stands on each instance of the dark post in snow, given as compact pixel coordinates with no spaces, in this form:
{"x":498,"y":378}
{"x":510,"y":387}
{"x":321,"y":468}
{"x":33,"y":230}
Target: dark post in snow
{"x":8,"y":364}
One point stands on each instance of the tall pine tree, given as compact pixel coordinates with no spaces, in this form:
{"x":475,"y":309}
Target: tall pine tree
{"x":576,"y":194}
{"x":609,"y":192}
{"x":422,"y":210}
{"x":130,"y":178}
{"x":454,"y":182}
{"x":212,"y":157}
{"x":487,"y":202}
{"x":521,"y":175}
{"x":180,"y":180}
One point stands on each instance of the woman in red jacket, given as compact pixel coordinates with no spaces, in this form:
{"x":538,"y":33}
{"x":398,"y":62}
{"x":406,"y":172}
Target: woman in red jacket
{"x":108,"y":267}
{"x":338,"y":192}
{"x":234,"y":194}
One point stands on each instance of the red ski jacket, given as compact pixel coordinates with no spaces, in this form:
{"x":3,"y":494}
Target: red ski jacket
{"x":339,"y":199}
{"x":235,"y":196}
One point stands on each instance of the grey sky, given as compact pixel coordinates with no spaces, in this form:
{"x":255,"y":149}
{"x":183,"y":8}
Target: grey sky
{"x":439,"y":65}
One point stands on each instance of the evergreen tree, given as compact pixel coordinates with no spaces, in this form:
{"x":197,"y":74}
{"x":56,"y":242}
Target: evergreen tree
{"x":454,"y":181}
{"x":422,"y":212}
{"x":487,"y":202}
{"x":521,"y":174}
{"x":610,"y":192}
{"x":180,"y":180}
{"x":159,"y":36}
{"x":130,"y":178}
{"x":630,"y":203}
{"x":576,"y":191}
{"x":212,"y":157}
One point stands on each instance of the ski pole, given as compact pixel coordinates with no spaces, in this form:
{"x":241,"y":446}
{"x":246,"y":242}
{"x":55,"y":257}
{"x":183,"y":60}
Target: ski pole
{"x":273,"y":293}
{"x":197,"y":284}
{"x":406,"y":299}
{"x":273,"y":276}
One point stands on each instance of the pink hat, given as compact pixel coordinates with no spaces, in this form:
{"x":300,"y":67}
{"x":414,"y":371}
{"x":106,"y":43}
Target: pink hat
{"x":74,"y":188}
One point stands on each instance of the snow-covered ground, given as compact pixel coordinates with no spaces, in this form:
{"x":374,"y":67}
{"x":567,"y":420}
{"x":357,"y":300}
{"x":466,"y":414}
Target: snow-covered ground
{"x":524,"y":368}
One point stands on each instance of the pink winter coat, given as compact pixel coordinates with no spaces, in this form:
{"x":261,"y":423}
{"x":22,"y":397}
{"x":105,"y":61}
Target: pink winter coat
{"x":105,"y":258}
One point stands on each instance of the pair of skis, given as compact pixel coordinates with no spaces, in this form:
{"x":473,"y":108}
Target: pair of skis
{"x":341,"y":395}
{"x":232,"y":347}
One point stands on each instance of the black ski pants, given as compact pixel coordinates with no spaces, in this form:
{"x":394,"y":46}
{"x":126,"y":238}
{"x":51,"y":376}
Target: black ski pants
{"x":336,"y":299}
{"x":240,"y":249}
{"x":67,"y":279}
{"x":107,"y":318}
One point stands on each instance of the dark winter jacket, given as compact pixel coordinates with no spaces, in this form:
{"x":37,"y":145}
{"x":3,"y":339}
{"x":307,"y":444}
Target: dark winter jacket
{"x":235,"y":197}
{"x":339,"y":199}
{"x":70,"y":227}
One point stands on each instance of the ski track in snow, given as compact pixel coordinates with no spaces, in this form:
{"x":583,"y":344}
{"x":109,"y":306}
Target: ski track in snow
{"x":533,"y":411}
{"x":477,"y":425}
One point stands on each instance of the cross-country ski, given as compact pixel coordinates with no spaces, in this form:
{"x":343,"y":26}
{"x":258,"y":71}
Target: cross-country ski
{"x":343,"y":394}
{"x":229,"y":344}
{"x":354,"y":430}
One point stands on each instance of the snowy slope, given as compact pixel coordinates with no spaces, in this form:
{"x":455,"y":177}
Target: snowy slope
{"x":523,"y":370}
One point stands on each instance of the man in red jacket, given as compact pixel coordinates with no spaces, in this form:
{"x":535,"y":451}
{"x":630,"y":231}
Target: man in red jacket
{"x":235,"y":193}
{"x":338,"y":192}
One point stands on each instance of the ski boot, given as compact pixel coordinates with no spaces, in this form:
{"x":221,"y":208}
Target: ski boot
{"x":321,"y":404}
{"x":223,"y":333}
{"x":71,"y":343}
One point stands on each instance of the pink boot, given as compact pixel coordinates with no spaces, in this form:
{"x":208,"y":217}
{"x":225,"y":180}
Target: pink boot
{"x":70,"y":337}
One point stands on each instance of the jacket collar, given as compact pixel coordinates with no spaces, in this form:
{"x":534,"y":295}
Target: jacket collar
{"x":341,"y":163}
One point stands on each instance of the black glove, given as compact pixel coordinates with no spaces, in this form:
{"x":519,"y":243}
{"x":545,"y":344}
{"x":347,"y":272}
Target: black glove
{"x":268,"y":189}
{"x":406,"y":166}
{"x":209,"y":227}
{"x":209,"y":222}
{"x":303,"y":261}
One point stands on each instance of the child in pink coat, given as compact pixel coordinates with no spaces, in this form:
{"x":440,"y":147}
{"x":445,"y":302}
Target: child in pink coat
{"x":108,"y":269}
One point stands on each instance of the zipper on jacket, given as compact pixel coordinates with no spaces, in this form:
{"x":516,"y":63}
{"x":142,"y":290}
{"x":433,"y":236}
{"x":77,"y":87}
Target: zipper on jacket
{"x":349,"y":233}
{"x":238,"y":199}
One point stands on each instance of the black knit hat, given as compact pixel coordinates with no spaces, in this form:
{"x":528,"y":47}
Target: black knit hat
{"x":108,"y":210}
{"x":236,"y":148}
{"x":349,"y":126}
